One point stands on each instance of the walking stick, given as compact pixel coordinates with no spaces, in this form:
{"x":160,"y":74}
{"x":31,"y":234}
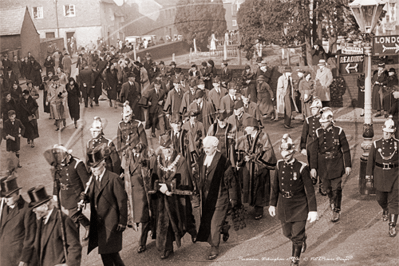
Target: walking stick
{"x":63,"y":232}
{"x":81,"y":203}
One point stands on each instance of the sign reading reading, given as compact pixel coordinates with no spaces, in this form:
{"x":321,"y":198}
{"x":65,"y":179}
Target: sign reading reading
{"x":386,"y":45}
{"x":351,"y":64}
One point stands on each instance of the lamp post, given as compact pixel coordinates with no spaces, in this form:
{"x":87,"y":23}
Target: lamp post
{"x":367,"y":13}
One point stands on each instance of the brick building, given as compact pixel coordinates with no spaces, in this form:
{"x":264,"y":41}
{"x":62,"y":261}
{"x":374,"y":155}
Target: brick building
{"x":232,"y":7}
{"x":18,"y":34}
{"x":85,"y":20}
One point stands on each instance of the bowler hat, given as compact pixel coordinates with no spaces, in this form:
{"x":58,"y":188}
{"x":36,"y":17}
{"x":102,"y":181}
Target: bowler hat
{"x":175,"y":80}
{"x":175,"y":118}
{"x":157,"y":82}
{"x":25,"y":92}
{"x":193,"y":109}
{"x":287,"y":69}
{"x":247,"y":67}
{"x":177,"y":70}
{"x":250,"y":122}
{"x":9,"y":186}
{"x":225,"y":62}
{"x":232,"y":85}
{"x":173,"y":63}
{"x":165,"y":140}
{"x":193,"y":65}
{"x":221,"y":115}
{"x":381,"y":65}
{"x":216,"y":79}
{"x":96,"y":155}
{"x":38,"y":196}
{"x":261,"y":78}
{"x":161,"y":63}
{"x":130,"y":75}
{"x":259,"y":60}
{"x":199,"y":94}
{"x":204,"y":64}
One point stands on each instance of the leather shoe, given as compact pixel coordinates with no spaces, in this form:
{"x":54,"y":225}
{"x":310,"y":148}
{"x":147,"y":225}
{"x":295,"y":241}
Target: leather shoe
{"x":336,"y":216}
{"x":226,"y":236}
{"x":286,"y":126}
{"x":385,"y":215}
{"x":304,"y":246}
{"x":213,"y":254}
{"x":166,"y":254}
{"x":141,"y":249}
{"x":392,"y":230}
{"x":194,"y":238}
{"x":259,"y":217}
{"x":322,"y":192}
{"x":153,"y":135}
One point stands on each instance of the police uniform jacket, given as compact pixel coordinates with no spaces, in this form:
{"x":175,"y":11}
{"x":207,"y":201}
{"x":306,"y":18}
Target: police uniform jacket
{"x":73,"y":178}
{"x":383,"y":164}
{"x":130,"y":134}
{"x":112,"y":161}
{"x":330,"y":153}
{"x":310,"y":125}
{"x":17,"y":234}
{"x":292,"y":191}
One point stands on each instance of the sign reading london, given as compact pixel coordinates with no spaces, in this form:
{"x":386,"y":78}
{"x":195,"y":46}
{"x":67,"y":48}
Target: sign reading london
{"x":386,"y":45}
{"x":351,"y":64}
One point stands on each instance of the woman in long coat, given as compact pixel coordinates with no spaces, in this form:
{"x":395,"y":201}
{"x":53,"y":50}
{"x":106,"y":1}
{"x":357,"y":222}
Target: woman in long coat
{"x":73,"y":100}
{"x":57,"y":96}
{"x":379,"y":79}
{"x":305,"y":87}
{"x":49,"y":65}
{"x":35,"y":72}
{"x":111,"y":82}
{"x":389,"y":100}
{"x":28,"y":108}
{"x":265,"y":97}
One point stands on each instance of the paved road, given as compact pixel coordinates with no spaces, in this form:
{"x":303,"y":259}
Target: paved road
{"x":360,"y":238}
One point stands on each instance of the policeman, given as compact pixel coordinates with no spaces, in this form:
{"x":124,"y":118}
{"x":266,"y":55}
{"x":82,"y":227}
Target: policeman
{"x":73,"y":176}
{"x":112,"y":161}
{"x":310,"y":125}
{"x":382,"y":168}
{"x":130,"y":132}
{"x":293,"y":194}
{"x":330,"y":158}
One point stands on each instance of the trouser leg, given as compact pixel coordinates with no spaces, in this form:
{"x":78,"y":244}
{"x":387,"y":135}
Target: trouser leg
{"x":154,"y":122}
{"x":145,"y":228}
{"x":216,"y":224}
{"x":393,"y":199}
{"x":161,"y":122}
{"x":382,"y":199}
{"x":287,"y":118}
{"x":112,"y":259}
{"x":337,"y":192}
{"x":169,"y":239}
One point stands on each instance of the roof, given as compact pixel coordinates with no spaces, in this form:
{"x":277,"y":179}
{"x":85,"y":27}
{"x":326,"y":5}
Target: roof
{"x":167,"y":3}
{"x":12,"y":20}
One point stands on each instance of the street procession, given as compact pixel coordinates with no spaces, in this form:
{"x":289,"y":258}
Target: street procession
{"x":179,"y":132}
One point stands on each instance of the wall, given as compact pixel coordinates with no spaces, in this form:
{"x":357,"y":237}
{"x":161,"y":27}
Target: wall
{"x":59,"y":42}
{"x":164,"y":50}
{"x":30,"y":39}
{"x":10,"y":42}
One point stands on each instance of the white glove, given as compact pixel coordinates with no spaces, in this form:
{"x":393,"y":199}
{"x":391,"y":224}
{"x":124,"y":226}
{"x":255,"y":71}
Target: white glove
{"x":348,"y":170}
{"x":312,"y":217}
{"x":272,"y":211}
{"x":303,"y":151}
{"x":163,"y":188}
{"x":313,"y":173}
{"x":396,"y":94}
{"x":55,"y":198}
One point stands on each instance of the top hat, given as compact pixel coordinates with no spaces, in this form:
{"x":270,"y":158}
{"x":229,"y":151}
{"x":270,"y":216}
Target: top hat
{"x":232,"y":85}
{"x":9,"y":185}
{"x":96,"y":155}
{"x":165,"y":140}
{"x":38,"y":196}
{"x":250,"y":122}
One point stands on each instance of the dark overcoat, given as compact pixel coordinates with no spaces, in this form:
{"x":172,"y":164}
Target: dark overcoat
{"x":173,"y":101}
{"x":132,"y":94}
{"x":28,"y":108}
{"x":14,"y":130}
{"x":17,"y":234}
{"x":108,"y":204}
{"x":294,"y":179}
{"x":49,"y":249}
{"x":35,"y":74}
{"x":112,"y":160}
{"x":73,"y":101}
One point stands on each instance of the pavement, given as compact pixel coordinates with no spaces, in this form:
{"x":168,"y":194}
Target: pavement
{"x":359,"y":238}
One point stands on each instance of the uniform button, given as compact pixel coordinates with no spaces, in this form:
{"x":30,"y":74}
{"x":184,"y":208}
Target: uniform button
{"x":282,"y":178}
{"x":282,"y":184}
{"x":290,"y":185}
{"x":283,"y":172}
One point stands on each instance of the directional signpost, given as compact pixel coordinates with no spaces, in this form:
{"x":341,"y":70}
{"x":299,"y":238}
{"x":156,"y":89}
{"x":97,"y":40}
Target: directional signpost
{"x":351,"y":64}
{"x":386,"y":45}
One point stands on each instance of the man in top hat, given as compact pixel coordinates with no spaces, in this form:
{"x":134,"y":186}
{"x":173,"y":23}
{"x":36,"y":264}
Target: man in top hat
{"x":53,"y":227}
{"x":205,"y":108}
{"x":250,"y":108}
{"x":237,"y":118}
{"x":379,"y":80}
{"x":188,"y":96}
{"x":174,"y":98}
{"x":227,"y":101}
{"x":17,"y":226}
{"x":249,"y":81}
{"x":330,"y":159}
{"x":113,"y":162}
{"x":256,"y":156}
{"x":383,"y":170}
{"x":131,"y":93}
{"x":323,"y":80}
{"x":156,"y":99}
{"x":86,"y":83}
{"x":218,"y":188}
{"x":130,"y":132}
{"x":310,"y":125}
{"x":72,"y":176}
{"x":226,"y":75}
{"x":176,"y":133}
{"x":108,"y":205}
{"x":194,"y":132}
{"x":217,"y":93}
{"x":285,"y":96}
{"x":293,"y":194}
{"x":172,"y":186}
